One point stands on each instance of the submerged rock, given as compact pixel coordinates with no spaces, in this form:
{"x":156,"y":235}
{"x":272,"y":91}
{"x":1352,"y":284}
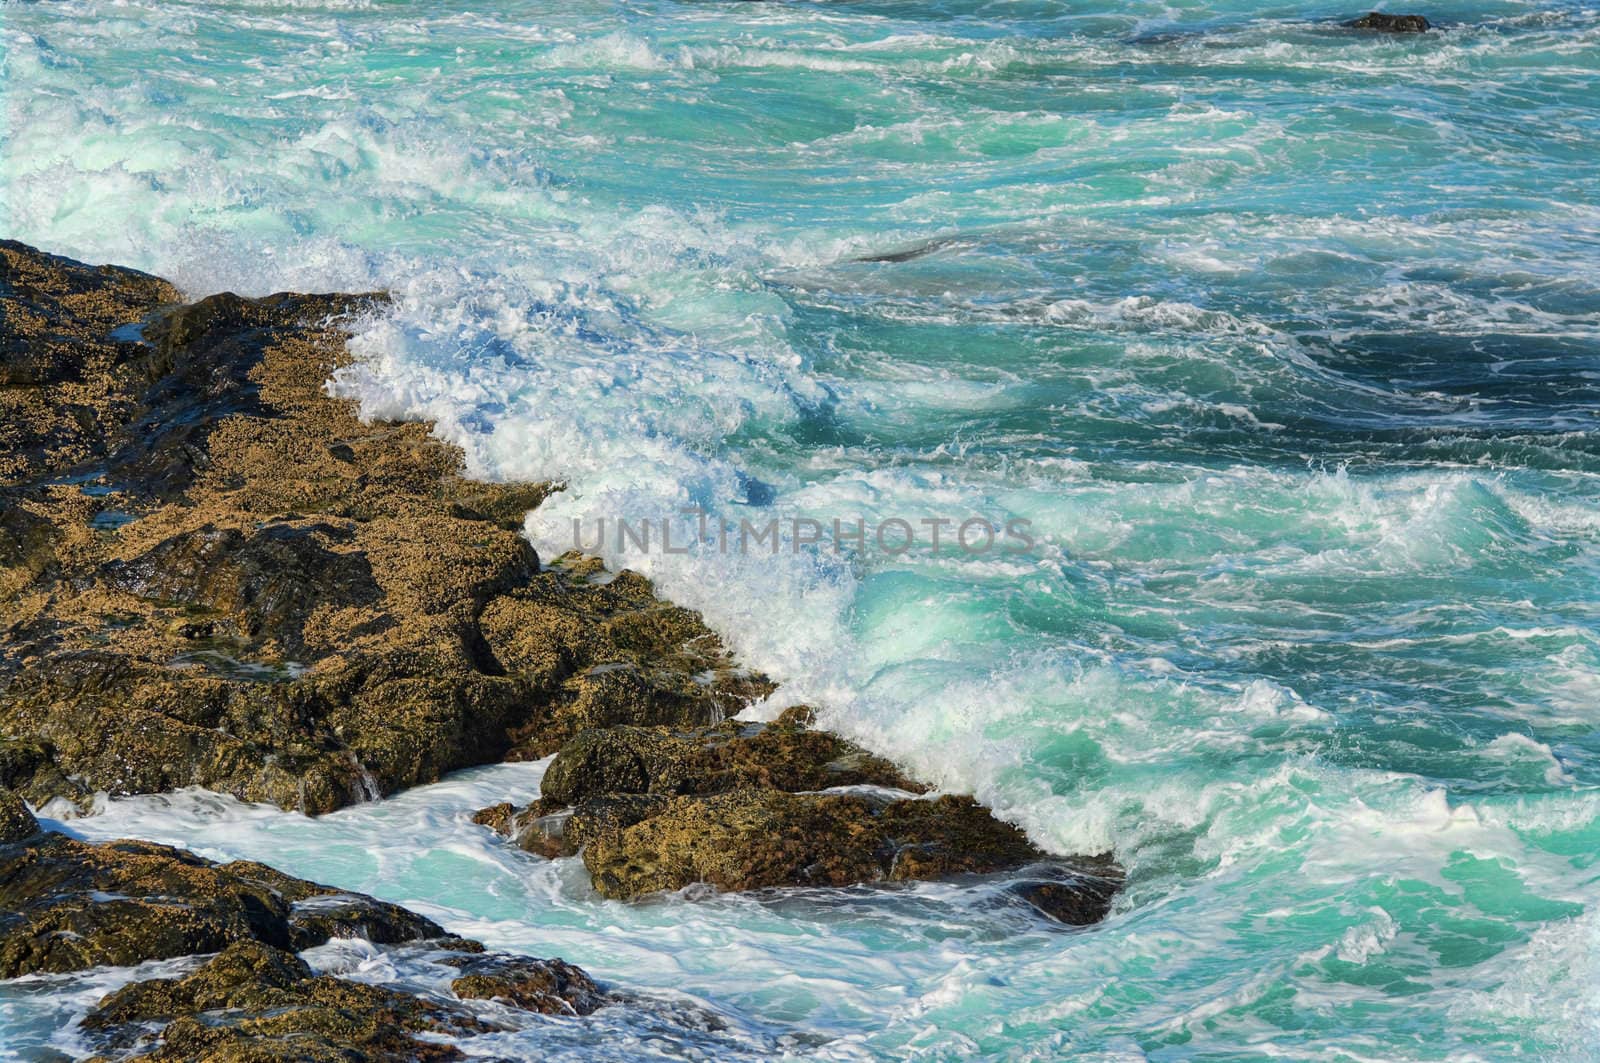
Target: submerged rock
{"x":290,"y":605}
{"x":1385,"y":23}
{"x":1076,"y":899}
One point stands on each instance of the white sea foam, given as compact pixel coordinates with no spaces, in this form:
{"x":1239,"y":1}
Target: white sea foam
{"x":1324,"y":699}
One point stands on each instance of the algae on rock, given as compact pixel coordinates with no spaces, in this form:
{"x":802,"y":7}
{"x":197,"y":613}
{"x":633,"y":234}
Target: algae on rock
{"x":213,"y":574}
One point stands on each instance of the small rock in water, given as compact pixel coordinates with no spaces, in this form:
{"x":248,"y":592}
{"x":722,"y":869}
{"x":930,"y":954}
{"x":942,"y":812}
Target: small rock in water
{"x":1083,"y":900}
{"x":497,"y":818}
{"x":549,"y":987}
{"x":744,"y":806}
{"x":1384,"y":23}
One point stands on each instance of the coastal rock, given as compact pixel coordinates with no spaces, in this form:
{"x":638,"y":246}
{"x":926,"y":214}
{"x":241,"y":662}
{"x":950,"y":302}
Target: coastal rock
{"x":1385,"y":23}
{"x":16,"y":822}
{"x":256,"y":1002}
{"x":1079,"y":898}
{"x":213,"y":574}
{"x":566,"y":832}
{"x":69,"y":905}
{"x":66,"y":378}
{"x":742,"y":806}
{"x":616,"y":776}
{"x":549,"y":987}
{"x":786,"y":755}
{"x":754,"y":838}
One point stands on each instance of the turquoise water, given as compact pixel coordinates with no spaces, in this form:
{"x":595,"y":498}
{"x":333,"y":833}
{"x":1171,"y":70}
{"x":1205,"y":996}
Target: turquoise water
{"x":1286,"y":341}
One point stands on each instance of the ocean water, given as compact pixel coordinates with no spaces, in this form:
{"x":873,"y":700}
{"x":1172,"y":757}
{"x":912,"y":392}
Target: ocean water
{"x":1284,"y":340}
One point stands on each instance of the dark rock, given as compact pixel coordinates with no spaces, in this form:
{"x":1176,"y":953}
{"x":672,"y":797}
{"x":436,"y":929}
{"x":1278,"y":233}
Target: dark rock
{"x":504,"y":505}
{"x":29,"y":769}
{"x":302,"y":608}
{"x":754,"y":838}
{"x":63,"y":377}
{"x":617,"y":776}
{"x":565,"y":833}
{"x":273,"y":577}
{"x":26,"y":541}
{"x":550,"y":987}
{"x":16,"y":822}
{"x":254,"y":1002}
{"x":66,"y":905}
{"x":741,"y":806}
{"x":497,"y":818}
{"x":320,"y":917}
{"x":618,"y":760}
{"x":785,"y":755}
{"x":243,"y":969}
{"x":1385,"y":23}
{"x":70,"y":905}
{"x":259,"y":1003}
{"x":1079,"y":900}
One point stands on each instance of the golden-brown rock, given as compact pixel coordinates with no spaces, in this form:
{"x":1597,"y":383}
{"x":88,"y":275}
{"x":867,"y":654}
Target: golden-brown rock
{"x":755,"y":838}
{"x":741,"y":806}
{"x":254,"y":1002}
{"x":213,"y":574}
{"x":16,"y":822}
{"x":786,"y":755}
{"x":66,"y":905}
{"x":69,"y":905}
{"x":549,"y":987}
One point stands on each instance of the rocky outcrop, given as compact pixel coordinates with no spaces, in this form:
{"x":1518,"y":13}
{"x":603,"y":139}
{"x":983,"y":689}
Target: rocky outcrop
{"x":787,"y":755}
{"x":1380,"y":22}
{"x":213,"y":574}
{"x":256,"y":1002}
{"x":752,"y":838}
{"x":66,"y":905}
{"x":748,"y":806}
{"x":549,"y":987}
{"x":69,"y":905}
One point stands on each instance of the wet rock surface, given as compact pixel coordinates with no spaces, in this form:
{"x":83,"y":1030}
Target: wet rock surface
{"x":549,"y":987}
{"x":1380,"y":22}
{"x":256,"y":1002}
{"x":786,"y":755}
{"x":213,"y":574}
{"x":66,"y":905}
{"x":741,"y":806}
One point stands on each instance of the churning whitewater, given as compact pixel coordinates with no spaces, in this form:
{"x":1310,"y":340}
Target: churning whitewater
{"x":1282,"y":338}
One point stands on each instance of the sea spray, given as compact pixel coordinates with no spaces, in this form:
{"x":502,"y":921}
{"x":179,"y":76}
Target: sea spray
{"x":1281,"y":337}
